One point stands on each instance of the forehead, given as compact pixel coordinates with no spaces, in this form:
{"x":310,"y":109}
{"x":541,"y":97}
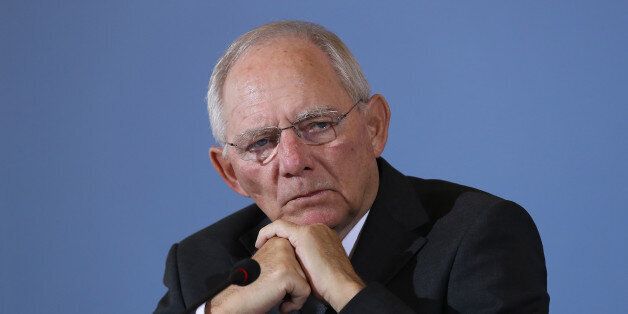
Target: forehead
{"x":278,"y":80}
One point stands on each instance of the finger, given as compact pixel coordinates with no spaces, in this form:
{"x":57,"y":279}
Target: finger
{"x":278,"y":228}
{"x":275,"y":229}
{"x":289,"y":306}
{"x":298,"y":295}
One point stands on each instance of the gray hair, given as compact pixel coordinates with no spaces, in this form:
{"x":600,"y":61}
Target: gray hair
{"x":343,"y":62}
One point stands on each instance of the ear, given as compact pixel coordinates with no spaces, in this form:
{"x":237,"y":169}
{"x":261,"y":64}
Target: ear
{"x":223,"y":166}
{"x":378,"y":120}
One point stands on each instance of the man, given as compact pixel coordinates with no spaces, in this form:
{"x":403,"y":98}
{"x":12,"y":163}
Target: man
{"x":334,"y":227}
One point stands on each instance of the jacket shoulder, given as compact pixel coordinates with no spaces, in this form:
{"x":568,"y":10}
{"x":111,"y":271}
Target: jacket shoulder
{"x":202,"y":259}
{"x":226,"y":232}
{"x":439,"y":197}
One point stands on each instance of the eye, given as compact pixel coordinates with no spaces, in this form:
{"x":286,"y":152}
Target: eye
{"x":322,"y":125}
{"x":258,"y":145}
{"x":318,"y":126}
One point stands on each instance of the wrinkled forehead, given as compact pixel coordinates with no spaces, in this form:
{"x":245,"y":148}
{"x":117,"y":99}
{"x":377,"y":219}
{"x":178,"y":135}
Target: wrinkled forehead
{"x":277,"y":81}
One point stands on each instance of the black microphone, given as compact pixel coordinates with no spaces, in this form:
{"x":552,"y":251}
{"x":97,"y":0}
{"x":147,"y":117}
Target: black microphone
{"x":243,"y":273}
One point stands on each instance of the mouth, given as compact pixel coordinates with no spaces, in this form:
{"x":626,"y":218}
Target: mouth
{"x":310,"y":196}
{"x":312,"y":207}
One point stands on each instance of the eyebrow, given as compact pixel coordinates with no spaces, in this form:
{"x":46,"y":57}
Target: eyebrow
{"x":310,"y":113}
{"x":315,"y":112}
{"x":252,"y":133}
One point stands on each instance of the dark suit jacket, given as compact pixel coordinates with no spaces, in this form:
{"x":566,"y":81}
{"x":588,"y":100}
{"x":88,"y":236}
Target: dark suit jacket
{"x":427,"y":246}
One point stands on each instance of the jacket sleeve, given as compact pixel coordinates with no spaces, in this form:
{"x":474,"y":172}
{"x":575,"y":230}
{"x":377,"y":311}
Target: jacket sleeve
{"x":172,"y":301}
{"x":499,"y":267}
{"x":375,"y":298}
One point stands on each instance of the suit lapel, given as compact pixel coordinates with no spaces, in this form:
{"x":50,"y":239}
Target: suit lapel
{"x":248,"y":238}
{"x":390,"y":236}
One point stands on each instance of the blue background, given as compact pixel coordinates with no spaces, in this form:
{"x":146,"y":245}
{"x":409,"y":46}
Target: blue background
{"x":104,"y":134}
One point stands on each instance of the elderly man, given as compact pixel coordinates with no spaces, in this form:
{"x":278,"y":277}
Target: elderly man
{"x":334,"y":227}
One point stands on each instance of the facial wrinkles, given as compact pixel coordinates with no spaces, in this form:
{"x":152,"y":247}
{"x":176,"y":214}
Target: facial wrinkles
{"x":324,"y":177}
{"x":337,"y":147}
{"x":248,"y":118}
{"x":344,"y":145}
{"x":300,"y":185}
{"x":251,"y":111}
{"x":295,"y":187}
{"x":261,"y":74}
{"x":258,"y":114}
{"x":272,"y":87}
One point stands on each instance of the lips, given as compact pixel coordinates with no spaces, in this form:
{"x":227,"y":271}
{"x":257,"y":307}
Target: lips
{"x":309,"y":194}
{"x":305,"y":196}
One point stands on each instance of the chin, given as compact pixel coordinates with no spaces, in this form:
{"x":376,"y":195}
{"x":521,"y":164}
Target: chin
{"x":311,"y":216}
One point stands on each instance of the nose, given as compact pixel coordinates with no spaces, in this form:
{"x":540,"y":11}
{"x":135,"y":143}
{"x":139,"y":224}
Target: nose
{"x":293,"y":155}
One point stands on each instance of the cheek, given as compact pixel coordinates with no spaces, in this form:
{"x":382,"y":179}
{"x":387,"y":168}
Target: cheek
{"x":251,"y":179}
{"x":339,"y":152}
{"x":347,"y":161}
{"x":259,"y":184}
{"x":351,"y":151}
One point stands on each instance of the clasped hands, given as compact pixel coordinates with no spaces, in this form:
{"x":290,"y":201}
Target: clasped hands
{"x":295,"y":261}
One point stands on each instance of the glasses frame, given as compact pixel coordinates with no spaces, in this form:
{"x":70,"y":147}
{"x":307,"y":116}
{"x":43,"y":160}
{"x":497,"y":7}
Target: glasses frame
{"x":293,"y":125}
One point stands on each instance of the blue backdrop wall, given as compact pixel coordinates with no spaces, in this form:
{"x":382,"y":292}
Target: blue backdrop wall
{"x":104,"y":134}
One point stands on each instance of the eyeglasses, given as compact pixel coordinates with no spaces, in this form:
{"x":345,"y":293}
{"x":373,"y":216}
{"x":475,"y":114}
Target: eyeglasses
{"x":314,"y":128}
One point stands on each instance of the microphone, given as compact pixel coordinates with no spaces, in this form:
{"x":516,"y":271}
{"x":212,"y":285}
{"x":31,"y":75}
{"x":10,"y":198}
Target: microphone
{"x":242,"y":273}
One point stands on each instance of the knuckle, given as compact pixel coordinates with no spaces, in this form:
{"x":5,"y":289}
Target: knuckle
{"x":284,"y":246}
{"x":276,"y":241}
{"x":307,"y":290}
{"x":309,"y":230}
{"x":319,"y":227}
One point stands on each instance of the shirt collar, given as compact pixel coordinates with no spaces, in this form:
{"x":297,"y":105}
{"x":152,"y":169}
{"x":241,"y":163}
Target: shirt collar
{"x":352,"y":237}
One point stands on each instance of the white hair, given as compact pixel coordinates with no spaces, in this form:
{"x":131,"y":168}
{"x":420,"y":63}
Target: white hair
{"x":343,"y":62}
